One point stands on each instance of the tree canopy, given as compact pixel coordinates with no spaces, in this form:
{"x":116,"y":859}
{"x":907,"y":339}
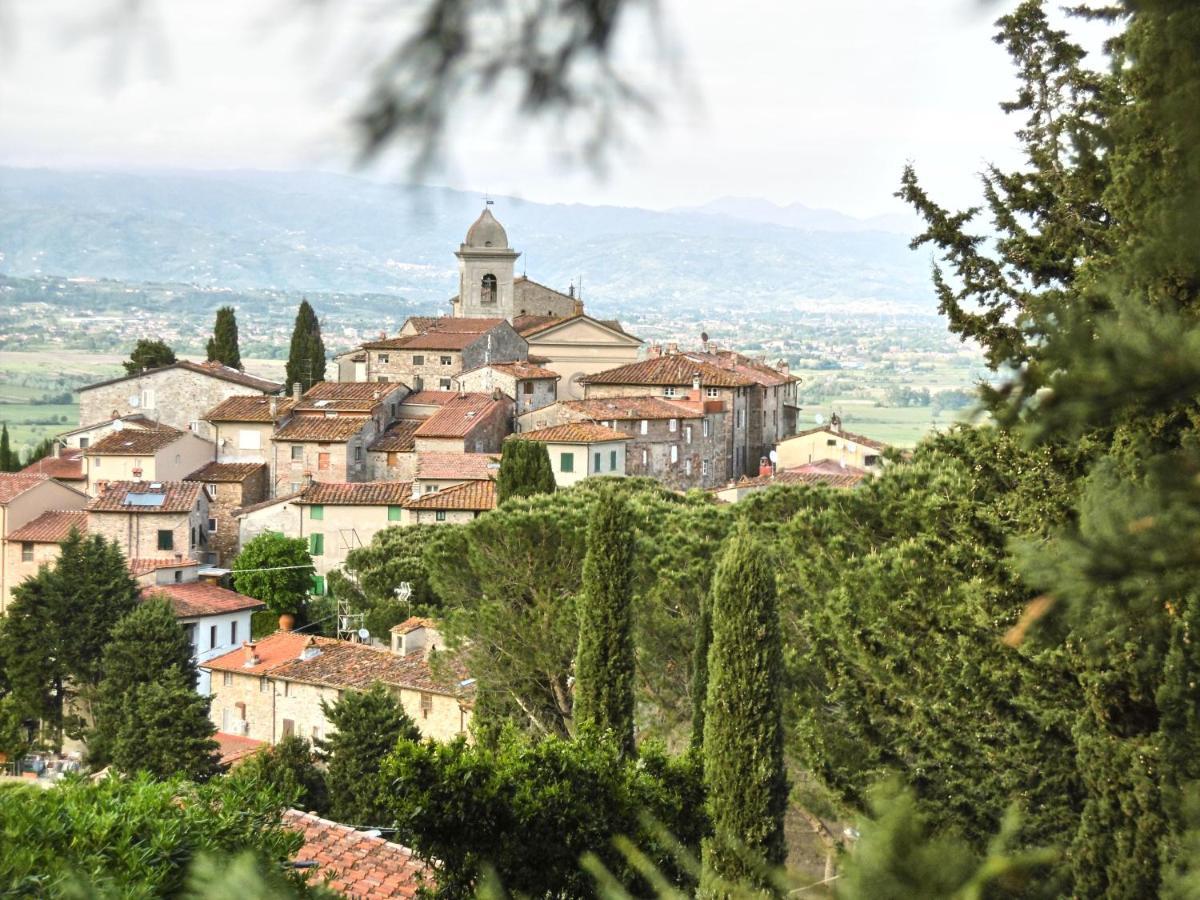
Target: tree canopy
{"x":275,"y":569}
{"x":524,"y":470}
{"x":306,"y":354}
{"x":148,"y":354}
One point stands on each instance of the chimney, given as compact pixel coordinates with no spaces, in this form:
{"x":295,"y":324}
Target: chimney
{"x":297,"y":393}
{"x":783,"y":368}
{"x":273,"y":408}
{"x":375,"y":395}
{"x":835,"y":423}
{"x":765,"y":469}
{"x":137,"y":474}
{"x":695,"y":393}
{"x":310,"y":649}
{"x":578,"y":308}
{"x":416,"y":491}
{"x":654,"y":351}
{"x":672,"y":348}
{"x":252,"y":657}
{"x":383,"y":335}
{"x":571,"y":291}
{"x":497,"y":393}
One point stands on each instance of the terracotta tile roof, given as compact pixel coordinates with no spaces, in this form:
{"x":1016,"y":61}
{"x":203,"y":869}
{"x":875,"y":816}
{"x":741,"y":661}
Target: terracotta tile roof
{"x":758,"y":372}
{"x":282,"y":498}
{"x":429,"y":340}
{"x":466,"y":324}
{"x":14,"y":484}
{"x":357,"y":865}
{"x":51,"y":527}
{"x":321,"y":428}
{"x":520,"y":370}
{"x":676,"y":369}
{"x":411,"y":624}
{"x":362,"y":493}
{"x":67,"y":466}
{"x":459,"y":417}
{"x":847,"y":478}
{"x":176,"y":497}
{"x":398,"y":438}
{"x":253,"y":408}
{"x":526,"y":325}
{"x":571,"y":433}
{"x":226,"y":472}
{"x":199,"y":598}
{"x":139,"y":567}
{"x":842,"y":433}
{"x":234,"y":748}
{"x":631,"y":408}
{"x":270,"y":652}
{"x":828,"y":467}
{"x":133,"y":442}
{"x":346,"y":396}
{"x":137,"y":420}
{"x":428,"y":398}
{"x":212,"y":370}
{"x":476,"y":496}
{"x":467,"y":466}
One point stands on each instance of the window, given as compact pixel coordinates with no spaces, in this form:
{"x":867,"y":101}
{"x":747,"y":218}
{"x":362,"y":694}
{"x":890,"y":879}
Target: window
{"x":316,"y":512}
{"x":487,"y":289}
{"x":297,"y":452}
{"x":444,"y":384}
{"x":358,"y":452}
{"x":645,"y":427}
{"x":426,"y":704}
{"x":287,"y":689}
{"x":869,"y":460}
{"x":322,"y":461}
{"x":687,"y":465}
{"x":447,"y":360}
{"x":674,"y":453}
{"x":383,"y":357}
{"x":212,"y":636}
{"x":566,"y":462}
{"x":318,"y":586}
{"x":212,"y":526}
{"x":249,"y":439}
{"x":227,"y":678}
{"x":712,"y":393}
{"x":83,"y":443}
{"x":393,"y":459}
{"x":832,"y":442}
{"x":289,"y":725}
{"x":705,"y":467}
{"x":96,"y":460}
{"x":706,"y":430}
{"x":294,"y":487}
{"x":148,"y":398}
{"x":439,"y":515}
{"x":316,"y":544}
{"x":672,"y":425}
{"x":192,"y":637}
{"x":612,"y":460}
{"x":418,"y":360}
{"x":27,"y":551}
{"x":687,"y":434}
{"x":193,"y":537}
{"x":645,"y":458}
{"x":394,"y":513}
{"x":179,"y":576}
{"x":166,"y":539}
{"x":596,"y":461}
{"x":669,"y":391}
{"x":233,"y":633}
{"x":526,"y":387}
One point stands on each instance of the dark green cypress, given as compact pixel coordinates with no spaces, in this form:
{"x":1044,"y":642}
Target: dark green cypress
{"x":700,"y":672}
{"x":7,"y":457}
{"x":223,"y":345}
{"x":306,"y":355}
{"x":743,"y":724}
{"x":524,"y":470}
{"x":164,"y":729}
{"x":604,"y":665}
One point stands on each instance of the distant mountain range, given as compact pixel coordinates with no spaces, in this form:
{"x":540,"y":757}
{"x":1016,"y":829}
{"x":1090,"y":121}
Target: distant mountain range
{"x":311,"y":231}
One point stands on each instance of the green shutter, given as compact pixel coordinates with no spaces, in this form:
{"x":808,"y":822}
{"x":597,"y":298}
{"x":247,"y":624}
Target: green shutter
{"x":316,"y":511}
{"x":316,"y":544}
{"x":318,"y":586}
{"x":596,"y":462}
{"x":394,"y":513}
{"x":166,"y":539}
{"x":566,"y":462}
{"x":612,"y":460}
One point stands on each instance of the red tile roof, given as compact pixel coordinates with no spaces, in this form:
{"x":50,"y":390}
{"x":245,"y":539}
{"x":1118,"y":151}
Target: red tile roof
{"x":51,"y":527}
{"x":138,"y":567}
{"x":459,"y":417}
{"x":357,"y":865}
{"x":361,"y":493}
{"x":346,"y":396}
{"x":841,"y":433}
{"x":321,"y":428}
{"x":412,"y":623}
{"x":133,"y":442}
{"x":467,"y":324}
{"x":529,"y":326}
{"x":281,"y":498}
{"x":212,"y":370}
{"x":571,"y":433}
{"x":67,"y":466}
{"x":758,"y":372}
{"x":136,"y":420}
{"x":675,"y":369}
{"x":476,"y":496}
{"x":847,"y":478}
{"x":253,"y":408}
{"x":398,"y":438}
{"x":199,"y":598}
{"x":226,"y":472}
{"x":632,"y":408}
{"x":234,"y":748}
{"x":270,"y":652}
{"x":465,"y":466}
{"x":14,"y":484}
{"x":177,"y":496}
{"x":428,"y":398}
{"x":522,"y":371}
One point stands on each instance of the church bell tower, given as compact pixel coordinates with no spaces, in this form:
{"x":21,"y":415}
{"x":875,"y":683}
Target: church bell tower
{"x":485,"y":271}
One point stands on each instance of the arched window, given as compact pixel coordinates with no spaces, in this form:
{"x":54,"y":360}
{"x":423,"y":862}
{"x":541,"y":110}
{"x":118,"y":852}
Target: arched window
{"x":487,"y":293}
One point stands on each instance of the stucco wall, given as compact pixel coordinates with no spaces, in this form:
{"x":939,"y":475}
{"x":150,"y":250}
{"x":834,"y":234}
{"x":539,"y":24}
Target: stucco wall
{"x":584,"y":460}
{"x":802,"y":449}
{"x":235,"y":441}
{"x":21,"y":510}
{"x":178,"y":459}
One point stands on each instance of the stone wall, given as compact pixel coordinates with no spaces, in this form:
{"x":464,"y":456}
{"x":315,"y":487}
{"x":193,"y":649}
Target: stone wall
{"x":137,"y":533}
{"x":392,"y":466}
{"x":224,"y":498}
{"x":347,"y":461}
{"x":177,"y":397}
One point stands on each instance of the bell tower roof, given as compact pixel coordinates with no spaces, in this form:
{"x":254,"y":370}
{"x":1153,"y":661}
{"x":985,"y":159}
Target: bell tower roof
{"x":486,"y":233}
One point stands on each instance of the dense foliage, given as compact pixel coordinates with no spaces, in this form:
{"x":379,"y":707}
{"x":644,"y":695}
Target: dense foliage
{"x":306,"y":353}
{"x":289,"y":769}
{"x":276,"y":570}
{"x":223,"y":345}
{"x":148,"y":354}
{"x":524,"y":470}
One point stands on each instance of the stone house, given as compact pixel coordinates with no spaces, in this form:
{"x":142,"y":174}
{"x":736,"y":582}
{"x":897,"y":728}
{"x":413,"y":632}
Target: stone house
{"x":273,"y":688}
{"x":84,"y":436}
{"x":215,"y":619}
{"x":153,"y":519}
{"x":392,"y":455}
{"x":576,"y":347}
{"x":177,"y":395}
{"x":32,"y":508}
{"x":230,"y":486}
{"x":242,"y":427}
{"x":469,"y":423}
{"x":678,"y":442}
{"x":676,"y":376}
{"x":433,"y":358}
{"x":139,"y":454}
{"x":455,"y":505}
{"x":833,"y":443}
{"x":580,"y":449}
{"x":380,"y":402}
{"x":438,"y":471}
{"x":529,"y":386}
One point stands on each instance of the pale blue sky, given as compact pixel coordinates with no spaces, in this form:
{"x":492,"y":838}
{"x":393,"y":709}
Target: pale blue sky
{"x":791,"y":100}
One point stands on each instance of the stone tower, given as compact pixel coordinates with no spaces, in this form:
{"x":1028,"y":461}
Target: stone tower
{"x":485,"y":271}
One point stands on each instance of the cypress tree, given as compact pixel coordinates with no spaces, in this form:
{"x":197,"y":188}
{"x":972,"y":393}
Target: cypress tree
{"x":699,"y":684}
{"x":7,"y":457}
{"x":743,"y":723}
{"x":524,"y":470}
{"x":306,"y":355}
{"x":163,"y":728}
{"x":604,"y":665}
{"x":223,"y":345}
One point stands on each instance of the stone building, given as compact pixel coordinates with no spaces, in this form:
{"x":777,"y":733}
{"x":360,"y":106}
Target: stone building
{"x":84,"y":436}
{"x":242,"y":427}
{"x":833,"y":443}
{"x":433,"y":358}
{"x":162,"y":520}
{"x":678,"y":442}
{"x":139,"y":454}
{"x":273,"y":688}
{"x":36,"y":513}
{"x":230,"y":486}
{"x":453,"y":505}
{"x":577,"y":346}
{"x":579,"y":450}
{"x":177,"y":395}
{"x":438,"y":471}
{"x":468,"y":423}
{"x":529,"y":386}
{"x":391,"y":456}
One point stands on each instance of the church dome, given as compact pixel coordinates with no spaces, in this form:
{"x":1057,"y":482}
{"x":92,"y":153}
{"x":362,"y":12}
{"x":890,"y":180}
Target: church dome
{"x":486,"y":233}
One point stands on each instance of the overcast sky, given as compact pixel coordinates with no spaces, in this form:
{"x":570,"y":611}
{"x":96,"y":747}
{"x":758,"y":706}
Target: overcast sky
{"x":790,"y":100}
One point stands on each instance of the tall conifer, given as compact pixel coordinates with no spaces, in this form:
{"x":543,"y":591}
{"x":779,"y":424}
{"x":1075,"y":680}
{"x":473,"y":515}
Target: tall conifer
{"x":7,"y":457}
{"x":524,"y":470}
{"x":604,"y":665}
{"x":743,"y":722}
{"x":223,"y":345}
{"x":306,"y":356}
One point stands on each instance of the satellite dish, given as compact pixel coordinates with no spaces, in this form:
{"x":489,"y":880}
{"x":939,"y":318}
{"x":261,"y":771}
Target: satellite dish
{"x":135,"y":400}
{"x":773,"y":456}
{"x":704,"y":336}
{"x":850,"y":446}
{"x":363,"y":634}
{"x":819,"y":419}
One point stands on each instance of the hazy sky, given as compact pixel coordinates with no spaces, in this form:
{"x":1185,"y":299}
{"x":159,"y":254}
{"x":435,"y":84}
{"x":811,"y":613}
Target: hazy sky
{"x":791,"y":100}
